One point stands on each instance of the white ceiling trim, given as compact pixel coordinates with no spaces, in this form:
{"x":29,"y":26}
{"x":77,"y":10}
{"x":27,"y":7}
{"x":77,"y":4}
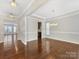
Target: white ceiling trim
{"x":57,"y":8}
{"x":36,"y":5}
{"x":28,"y":6}
{"x":37,"y":17}
{"x":68,"y":14}
{"x":76,"y":12}
{"x":33,"y":6}
{"x":64,"y":16}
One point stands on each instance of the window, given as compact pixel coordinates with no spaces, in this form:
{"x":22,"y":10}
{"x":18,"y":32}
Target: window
{"x":9,"y":35}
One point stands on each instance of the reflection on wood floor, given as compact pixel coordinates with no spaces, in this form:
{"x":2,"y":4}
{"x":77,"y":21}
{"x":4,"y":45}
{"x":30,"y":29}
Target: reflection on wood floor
{"x":50,"y":49}
{"x":53,"y":49}
{"x":13,"y":52}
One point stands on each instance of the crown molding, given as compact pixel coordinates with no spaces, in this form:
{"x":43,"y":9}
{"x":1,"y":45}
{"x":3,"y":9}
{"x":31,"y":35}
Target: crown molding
{"x":32,"y":8}
{"x":69,"y":14}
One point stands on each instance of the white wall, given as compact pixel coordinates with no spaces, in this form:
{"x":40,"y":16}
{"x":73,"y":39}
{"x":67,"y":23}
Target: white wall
{"x":66,"y":30}
{"x":27,"y":30}
{"x":21,"y":30}
{"x":1,"y":29}
{"x":31,"y":28}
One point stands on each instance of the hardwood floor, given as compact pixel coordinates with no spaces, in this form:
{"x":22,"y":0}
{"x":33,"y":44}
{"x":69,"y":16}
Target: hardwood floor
{"x":50,"y":49}
{"x":53,"y":49}
{"x":1,"y":50}
{"x":12,"y":52}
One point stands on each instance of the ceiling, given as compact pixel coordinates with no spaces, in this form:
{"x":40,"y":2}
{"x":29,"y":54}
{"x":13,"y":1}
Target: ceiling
{"x":22,"y":7}
{"x":55,"y":8}
{"x":37,"y":8}
{"x":6,"y":8}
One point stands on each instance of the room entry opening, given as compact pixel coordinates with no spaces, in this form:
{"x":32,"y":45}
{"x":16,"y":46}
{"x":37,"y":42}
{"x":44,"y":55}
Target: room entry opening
{"x":9,"y":35}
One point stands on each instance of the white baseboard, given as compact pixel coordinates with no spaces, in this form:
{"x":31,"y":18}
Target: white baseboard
{"x":31,"y":40}
{"x":75,"y":42}
{"x":25,"y":42}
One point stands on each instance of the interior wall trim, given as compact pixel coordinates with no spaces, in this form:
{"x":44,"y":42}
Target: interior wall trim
{"x":62,"y":32}
{"x":65,"y":40}
{"x":34,"y":9}
{"x":69,"y":14}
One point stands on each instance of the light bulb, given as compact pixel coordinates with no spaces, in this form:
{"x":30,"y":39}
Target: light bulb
{"x":13,"y":4}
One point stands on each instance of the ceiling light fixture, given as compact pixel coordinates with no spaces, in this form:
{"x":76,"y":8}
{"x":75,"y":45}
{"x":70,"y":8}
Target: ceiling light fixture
{"x":12,"y":15}
{"x":13,"y":3}
{"x":54,"y":24}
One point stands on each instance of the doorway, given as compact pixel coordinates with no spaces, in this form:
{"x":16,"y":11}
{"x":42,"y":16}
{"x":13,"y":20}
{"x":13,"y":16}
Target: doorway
{"x":9,"y":35}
